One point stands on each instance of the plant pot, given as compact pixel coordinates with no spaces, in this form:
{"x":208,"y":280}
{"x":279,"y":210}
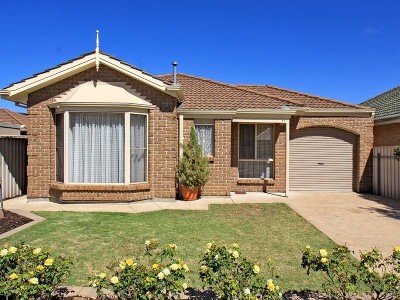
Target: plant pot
{"x":189,"y":194}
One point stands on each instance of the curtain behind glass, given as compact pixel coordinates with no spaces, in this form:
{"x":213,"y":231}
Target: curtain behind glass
{"x":60,"y":147}
{"x":138,"y":148}
{"x":96,"y":148}
{"x":205,"y":136}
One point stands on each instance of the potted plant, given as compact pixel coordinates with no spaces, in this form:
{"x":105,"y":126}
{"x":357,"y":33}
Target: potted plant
{"x":396,"y":152}
{"x":193,"y":170}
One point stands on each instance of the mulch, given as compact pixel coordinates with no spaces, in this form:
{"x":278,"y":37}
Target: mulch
{"x":12,"y":220}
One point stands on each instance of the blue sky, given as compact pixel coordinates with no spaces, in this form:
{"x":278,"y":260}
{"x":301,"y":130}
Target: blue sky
{"x":345,"y":50}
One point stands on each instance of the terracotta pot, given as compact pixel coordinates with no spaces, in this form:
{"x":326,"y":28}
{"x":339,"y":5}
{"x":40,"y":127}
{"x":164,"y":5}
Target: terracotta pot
{"x":189,"y":194}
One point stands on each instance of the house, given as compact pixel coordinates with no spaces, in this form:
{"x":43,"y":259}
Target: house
{"x":12,"y":123}
{"x":105,"y":130}
{"x":387,"y":117}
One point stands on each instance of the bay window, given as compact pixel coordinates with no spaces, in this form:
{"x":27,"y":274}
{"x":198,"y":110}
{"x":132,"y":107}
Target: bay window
{"x":255,"y":151}
{"x":102,"y":147}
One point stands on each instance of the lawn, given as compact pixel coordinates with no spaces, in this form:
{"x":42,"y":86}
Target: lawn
{"x":97,"y":240}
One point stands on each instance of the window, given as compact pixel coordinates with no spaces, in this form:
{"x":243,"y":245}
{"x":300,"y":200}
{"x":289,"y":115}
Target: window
{"x":60,"y":147}
{"x":102,"y":147}
{"x":255,"y":151}
{"x":205,"y":136}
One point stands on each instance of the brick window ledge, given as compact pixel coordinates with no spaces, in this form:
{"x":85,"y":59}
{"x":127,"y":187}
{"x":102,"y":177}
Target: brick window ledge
{"x":256,"y":181}
{"x":100,"y":187}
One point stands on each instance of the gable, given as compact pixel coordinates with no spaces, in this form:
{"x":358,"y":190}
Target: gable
{"x":19,"y":91}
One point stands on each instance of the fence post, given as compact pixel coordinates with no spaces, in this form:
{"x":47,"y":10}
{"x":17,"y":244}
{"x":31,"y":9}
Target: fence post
{"x":378,"y":192}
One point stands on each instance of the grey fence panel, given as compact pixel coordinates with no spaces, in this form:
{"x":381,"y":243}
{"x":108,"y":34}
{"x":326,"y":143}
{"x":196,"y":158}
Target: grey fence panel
{"x":386,"y":172}
{"x":13,"y":161}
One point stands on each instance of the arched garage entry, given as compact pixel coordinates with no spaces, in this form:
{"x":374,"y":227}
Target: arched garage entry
{"x":322,"y":159}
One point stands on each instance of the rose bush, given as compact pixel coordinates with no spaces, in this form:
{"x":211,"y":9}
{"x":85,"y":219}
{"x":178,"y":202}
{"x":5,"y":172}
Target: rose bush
{"x":232,"y":276}
{"x":30,"y":273}
{"x":157,"y":275}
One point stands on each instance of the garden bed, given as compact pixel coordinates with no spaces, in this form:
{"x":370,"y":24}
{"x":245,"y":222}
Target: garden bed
{"x":11,"y":221}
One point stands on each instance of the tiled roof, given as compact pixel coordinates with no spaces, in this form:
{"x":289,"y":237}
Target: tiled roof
{"x":14,"y":118}
{"x":80,"y":57}
{"x":201,"y":93}
{"x":387,"y":105}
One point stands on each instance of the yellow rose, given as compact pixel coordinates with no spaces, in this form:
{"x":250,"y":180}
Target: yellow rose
{"x":122,"y":264}
{"x":114,"y":280}
{"x":155,"y":267}
{"x":185,"y":267}
{"x":3,"y":252}
{"x":184,"y":285}
{"x":235,"y":245}
{"x":209,"y":245}
{"x":235,"y":254}
{"x":12,"y":249}
{"x":40,"y":268}
{"x":396,"y":249}
{"x":166,"y":272}
{"x":246,"y":291}
{"x":256,"y":269}
{"x":148,"y":279}
{"x":173,"y":246}
{"x":324,"y":260}
{"x":102,"y":275}
{"x":174,"y":267}
{"x":270,"y":285}
{"x":13,"y":276}
{"x":161,"y":275}
{"x":203,"y":269}
{"x":48,"y":262}
{"x":33,"y":280}
{"x":323,"y":253}
{"x":30,"y":272}
{"x":147,"y":242}
{"x":37,"y":251}
{"x":129,"y":262}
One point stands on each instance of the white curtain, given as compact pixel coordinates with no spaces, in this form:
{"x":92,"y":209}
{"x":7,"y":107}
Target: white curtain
{"x":205,"y":136}
{"x":138,"y":148}
{"x":96,"y":148}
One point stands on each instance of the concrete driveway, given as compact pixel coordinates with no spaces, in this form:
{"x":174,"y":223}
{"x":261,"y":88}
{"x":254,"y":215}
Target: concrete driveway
{"x":361,"y":221}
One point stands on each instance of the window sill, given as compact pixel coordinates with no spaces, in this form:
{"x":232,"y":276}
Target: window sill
{"x":256,"y":181}
{"x":100,"y":187}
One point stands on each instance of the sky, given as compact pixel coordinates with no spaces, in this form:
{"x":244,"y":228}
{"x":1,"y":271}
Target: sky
{"x":345,"y":50}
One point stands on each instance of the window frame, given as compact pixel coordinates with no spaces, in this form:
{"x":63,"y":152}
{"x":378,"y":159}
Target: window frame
{"x":127,"y":157}
{"x":204,"y":122}
{"x":255,"y":150}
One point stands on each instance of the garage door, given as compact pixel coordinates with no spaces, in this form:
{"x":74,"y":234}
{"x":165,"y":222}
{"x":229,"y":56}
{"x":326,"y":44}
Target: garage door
{"x":321,"y":159}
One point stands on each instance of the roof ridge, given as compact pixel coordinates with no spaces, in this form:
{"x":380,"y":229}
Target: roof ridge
{"x":236,"y":87}
{"x":381,"y":94}
{"x":306,"y":94}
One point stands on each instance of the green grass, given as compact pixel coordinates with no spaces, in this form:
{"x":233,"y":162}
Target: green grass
{"x":97,"y":240}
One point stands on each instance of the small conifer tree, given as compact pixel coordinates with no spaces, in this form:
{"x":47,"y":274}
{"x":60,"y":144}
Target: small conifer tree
{"x":193,"y":168}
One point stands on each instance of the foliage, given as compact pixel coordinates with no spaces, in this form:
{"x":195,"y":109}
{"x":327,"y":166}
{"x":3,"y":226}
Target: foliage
{"x":339,"y":269}
{"x":380,"y":276}
{"x":30,"y":273}
{"x":396,"y":151}
{"x":232,"y":276}
{"x":158,"y":275}
{"x":193,"y":168}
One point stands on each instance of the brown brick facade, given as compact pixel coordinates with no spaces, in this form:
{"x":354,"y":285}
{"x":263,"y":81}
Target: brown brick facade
{"x":162,"y":149}
{"x":387,"y":135}
{"x":224,"y":168}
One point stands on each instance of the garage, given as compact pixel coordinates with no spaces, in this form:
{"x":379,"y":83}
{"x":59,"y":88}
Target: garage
{"x":321,"y":159}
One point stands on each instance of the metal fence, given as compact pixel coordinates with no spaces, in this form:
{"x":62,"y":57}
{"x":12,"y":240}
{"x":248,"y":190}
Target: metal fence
{"x":13,"y":161}
{"x":386,"y":172}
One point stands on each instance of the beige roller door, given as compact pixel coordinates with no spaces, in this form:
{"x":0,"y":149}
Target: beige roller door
{"x":321,"y":159}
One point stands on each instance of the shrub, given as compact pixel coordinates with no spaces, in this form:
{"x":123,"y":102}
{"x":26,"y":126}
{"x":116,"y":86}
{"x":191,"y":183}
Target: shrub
{"x":339,"y":269}
{"x":30,"y":273}
{"x":157,"y":275}
{"x":232,"y":276}
{"x":380,"y":276}
{"x":396,"y":151}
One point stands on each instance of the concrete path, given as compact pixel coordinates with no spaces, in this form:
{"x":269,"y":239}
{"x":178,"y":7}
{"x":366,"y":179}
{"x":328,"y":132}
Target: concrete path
{"x":361,"y":221}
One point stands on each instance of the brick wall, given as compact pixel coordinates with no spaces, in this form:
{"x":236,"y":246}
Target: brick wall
{"x":163,"y":142}
{"x":387,"y":135}
{"x":363,"y":128}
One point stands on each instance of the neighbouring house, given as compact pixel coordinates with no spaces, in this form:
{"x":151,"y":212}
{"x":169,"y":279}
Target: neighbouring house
{"x":104,"y":130}
{"x":12,"y":123}
{"x":387,"y":117}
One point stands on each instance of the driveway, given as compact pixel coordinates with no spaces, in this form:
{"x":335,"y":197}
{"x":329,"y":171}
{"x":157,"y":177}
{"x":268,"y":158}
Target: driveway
{"x":361,"y":221}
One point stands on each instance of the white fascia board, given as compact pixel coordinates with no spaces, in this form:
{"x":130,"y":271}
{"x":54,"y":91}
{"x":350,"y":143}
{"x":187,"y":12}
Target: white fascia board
{"x":387,"y":122}
{"x":365,"y":113}
{"x":4,"y":93}
{"x":66,"y":105}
